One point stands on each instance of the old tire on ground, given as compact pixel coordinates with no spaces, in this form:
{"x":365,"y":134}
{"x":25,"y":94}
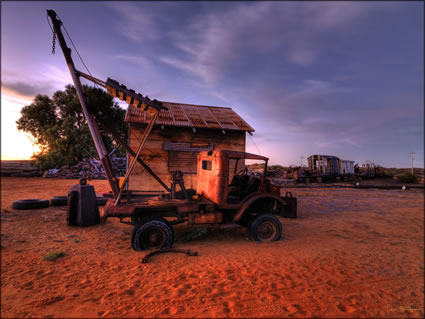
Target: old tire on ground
{"x":101,"y":201}
{"x":31,"y":204}
{"x":152,"y":233}
{"x":59,"y":201}
{"x":265,"y":227}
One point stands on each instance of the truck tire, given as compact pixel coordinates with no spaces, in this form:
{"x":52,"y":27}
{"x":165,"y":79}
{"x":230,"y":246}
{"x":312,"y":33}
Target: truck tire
{"x":101,"y":201}
{"x":265,"y":227}
{"x":59,"y":201}
{"x":30,"y":204}
{"x":154,"y":232}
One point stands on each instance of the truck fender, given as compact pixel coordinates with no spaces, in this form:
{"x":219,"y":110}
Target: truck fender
{"x":251,"y":199}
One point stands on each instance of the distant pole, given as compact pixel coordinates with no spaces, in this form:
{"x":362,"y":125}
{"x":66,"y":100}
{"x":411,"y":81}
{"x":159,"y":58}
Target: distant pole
{"x":302,"y":159}
{"x":411,"y":159}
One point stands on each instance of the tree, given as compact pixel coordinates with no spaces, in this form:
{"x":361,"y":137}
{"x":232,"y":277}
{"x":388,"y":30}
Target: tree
{"x":59,"y":127}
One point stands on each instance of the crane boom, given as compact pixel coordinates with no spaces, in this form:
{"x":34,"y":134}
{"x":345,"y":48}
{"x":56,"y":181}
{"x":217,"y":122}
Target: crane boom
{"x":115,"y":89}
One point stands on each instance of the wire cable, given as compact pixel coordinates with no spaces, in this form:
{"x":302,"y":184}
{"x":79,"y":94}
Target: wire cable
{"x":48,"y":22}
{"x":82,"y":61}
{"x":76,"y":50}
{"x":252,"y":137}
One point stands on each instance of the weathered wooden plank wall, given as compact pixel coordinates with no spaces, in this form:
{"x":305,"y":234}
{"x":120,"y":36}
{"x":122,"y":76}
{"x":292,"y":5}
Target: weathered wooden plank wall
{"x":159,"y":159}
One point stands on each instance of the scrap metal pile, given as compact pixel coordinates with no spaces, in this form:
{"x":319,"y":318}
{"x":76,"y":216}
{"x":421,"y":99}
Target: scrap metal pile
{"x":90,"y":168}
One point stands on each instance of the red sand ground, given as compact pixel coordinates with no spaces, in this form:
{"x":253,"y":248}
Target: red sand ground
{"x":351,"y":253}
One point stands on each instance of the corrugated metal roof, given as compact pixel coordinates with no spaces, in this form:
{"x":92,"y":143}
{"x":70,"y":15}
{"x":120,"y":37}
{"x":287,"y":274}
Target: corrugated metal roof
{"x":189,"y":115}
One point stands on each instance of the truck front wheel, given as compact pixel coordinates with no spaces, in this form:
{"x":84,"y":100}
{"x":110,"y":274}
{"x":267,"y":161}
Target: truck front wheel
{"x":152,"y":233}
{"x":265,"y":227}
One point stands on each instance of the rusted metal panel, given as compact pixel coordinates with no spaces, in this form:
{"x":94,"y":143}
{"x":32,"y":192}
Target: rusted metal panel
{"x":127,"y":209}
{"x":224,"y":117}
{"x":209,"y":118}
{"x":130,"y":96}
{"x":206,"y":218}
{"x":188,"y":207}
{"x":180,"y":118}
{"x":194,"y":117}
{"x":187,"y":147}
{"x":189,"y":115}
{"x":251,"y":198}
{"x":213,"y":182}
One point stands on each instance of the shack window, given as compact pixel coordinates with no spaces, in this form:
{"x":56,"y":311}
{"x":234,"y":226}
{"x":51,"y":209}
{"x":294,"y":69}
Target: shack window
{"x":206,"y":165}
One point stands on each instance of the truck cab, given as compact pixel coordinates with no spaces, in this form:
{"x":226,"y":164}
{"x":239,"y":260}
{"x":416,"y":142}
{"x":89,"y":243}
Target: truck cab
{"x":225,"y":181}
{"x":222,"y":180}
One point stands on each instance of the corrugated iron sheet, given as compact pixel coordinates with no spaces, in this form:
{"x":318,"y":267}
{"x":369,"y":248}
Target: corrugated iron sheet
{"x":188,"y":115}
{"x":183,"y":161}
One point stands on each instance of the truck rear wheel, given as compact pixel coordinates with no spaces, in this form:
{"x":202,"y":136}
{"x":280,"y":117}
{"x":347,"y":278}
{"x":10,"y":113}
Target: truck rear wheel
{"x":152,"y":233}
{"x":265,"y":227}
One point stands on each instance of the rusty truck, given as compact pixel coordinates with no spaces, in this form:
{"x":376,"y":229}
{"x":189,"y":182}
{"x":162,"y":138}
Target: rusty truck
{"x":244,"y":199}
{"x":223,"y":196}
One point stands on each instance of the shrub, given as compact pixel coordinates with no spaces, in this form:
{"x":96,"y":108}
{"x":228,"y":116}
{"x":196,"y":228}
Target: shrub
{"x":407,"y":178}
{"x":387,"y":174}
{"x":54,"y":255}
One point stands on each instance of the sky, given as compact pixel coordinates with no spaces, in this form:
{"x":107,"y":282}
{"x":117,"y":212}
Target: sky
{"x":334,"y":78}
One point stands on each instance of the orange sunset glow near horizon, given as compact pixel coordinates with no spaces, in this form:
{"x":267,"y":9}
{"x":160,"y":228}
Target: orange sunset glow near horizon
{"x":15,"y":144}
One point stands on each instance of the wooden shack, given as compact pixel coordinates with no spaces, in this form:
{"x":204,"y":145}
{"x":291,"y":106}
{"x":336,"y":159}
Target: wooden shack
{"x":177,"y":137}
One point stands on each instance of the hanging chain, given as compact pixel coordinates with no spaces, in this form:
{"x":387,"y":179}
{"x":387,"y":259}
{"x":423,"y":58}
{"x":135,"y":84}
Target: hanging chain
{"x":53,"y":42}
